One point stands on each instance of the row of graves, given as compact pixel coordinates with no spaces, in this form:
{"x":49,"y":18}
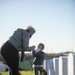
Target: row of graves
{"x":64,"y":65}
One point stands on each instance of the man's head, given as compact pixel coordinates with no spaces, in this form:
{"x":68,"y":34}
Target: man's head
{"x":30,"y":30}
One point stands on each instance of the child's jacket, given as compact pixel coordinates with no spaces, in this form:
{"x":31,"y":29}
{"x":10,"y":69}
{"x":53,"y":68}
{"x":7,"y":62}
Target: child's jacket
{"x":39,"y":58}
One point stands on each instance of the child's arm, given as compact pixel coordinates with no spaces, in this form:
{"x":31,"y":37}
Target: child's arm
{"x":33,"y":53}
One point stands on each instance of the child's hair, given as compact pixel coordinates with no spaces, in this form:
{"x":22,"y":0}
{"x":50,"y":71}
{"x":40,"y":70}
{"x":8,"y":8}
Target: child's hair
{"x":41,"y":45}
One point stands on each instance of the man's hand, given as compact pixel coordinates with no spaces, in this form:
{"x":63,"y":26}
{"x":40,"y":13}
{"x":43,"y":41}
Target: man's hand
{"x":33,"y":47}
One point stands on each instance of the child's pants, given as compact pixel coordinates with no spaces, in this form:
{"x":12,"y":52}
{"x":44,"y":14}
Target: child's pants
{"x":37,"y":69}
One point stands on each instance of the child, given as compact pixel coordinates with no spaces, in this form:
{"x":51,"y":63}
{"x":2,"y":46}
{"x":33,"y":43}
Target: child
{"x":38,"y":55}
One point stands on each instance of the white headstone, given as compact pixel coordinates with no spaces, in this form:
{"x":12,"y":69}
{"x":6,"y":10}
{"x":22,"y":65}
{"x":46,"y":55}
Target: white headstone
{"x":71,"y":64}
{"x":63,"y":65}
{"x":56,"y":65}
{"x":50,"y":67}
{"x":74,"y":64}
{"x":47,"y":67}
{"x":44,"y":65}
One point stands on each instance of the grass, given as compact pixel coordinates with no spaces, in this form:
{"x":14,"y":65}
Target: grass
{"x":22,"y":73}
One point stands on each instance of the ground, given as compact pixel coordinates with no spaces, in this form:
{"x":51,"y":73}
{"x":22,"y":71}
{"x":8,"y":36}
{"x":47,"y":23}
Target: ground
{"x":22,"y":73}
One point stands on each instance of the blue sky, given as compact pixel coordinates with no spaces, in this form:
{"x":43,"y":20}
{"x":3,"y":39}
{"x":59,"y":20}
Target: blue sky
{"x":54,"y":21}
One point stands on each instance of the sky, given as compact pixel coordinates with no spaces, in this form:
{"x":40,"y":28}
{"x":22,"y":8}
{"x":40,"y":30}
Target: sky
{"x":54,"y":21}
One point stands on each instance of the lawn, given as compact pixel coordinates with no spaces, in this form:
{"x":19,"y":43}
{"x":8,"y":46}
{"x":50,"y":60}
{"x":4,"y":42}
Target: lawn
{"x":22,"y":73}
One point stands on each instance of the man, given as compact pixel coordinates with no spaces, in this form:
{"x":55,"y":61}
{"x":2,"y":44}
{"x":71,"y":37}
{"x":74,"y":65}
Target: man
{"x":19,"y":41}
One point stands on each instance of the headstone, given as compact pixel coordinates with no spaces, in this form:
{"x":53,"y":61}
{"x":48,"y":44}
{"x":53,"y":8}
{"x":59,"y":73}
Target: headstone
{"x":47,"y":67}
{"x":63,"y":65}
{"x":44,"y":65}
{"x":56,"y":65}
{"x":74,"y":64}
{"x":50,"y":67}
{"x":71,"y":64}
